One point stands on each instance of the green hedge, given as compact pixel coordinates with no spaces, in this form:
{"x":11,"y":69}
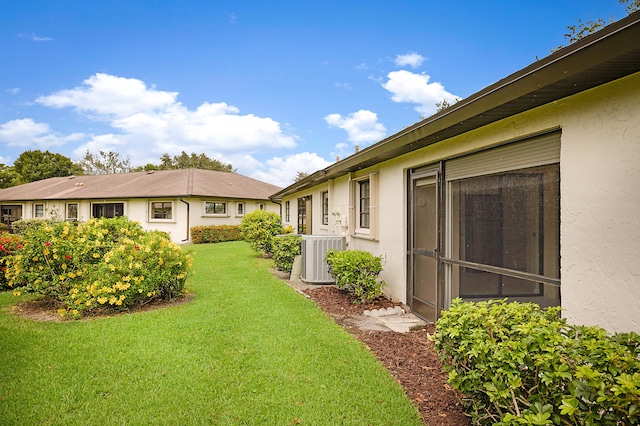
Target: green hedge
{"x":285,"y":249}
{"x":515,"y":363}
{"x":356,"y":271}
{"x":215,"y":234}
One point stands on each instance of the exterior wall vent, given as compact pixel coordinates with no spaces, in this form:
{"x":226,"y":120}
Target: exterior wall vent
{"x":314,"y":247}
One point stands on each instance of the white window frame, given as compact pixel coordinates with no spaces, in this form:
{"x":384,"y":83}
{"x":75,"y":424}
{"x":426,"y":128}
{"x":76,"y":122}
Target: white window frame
{"x":260,"y":206}
{"x":35,"y":210}
{"x":215,"y":203}
{"x":356,"y":230}
{"x":161,"y":219}
{"x":240,"y":209}
{"x":287,"y":211}
{"x":67,"y":211}
{"x":324,"y":196}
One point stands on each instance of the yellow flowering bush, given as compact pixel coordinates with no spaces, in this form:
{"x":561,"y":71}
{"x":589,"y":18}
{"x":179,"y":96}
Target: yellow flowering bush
{"x":102,"y":264}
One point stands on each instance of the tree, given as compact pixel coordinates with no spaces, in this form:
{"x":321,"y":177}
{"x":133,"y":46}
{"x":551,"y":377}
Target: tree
{"x":583,"y":29}
{"x":445,"y":104}
{"x":300,"y":176}
{"x":8,"y":176}
{"x":104,"y":163}
{"x":31,"y":166}
{"x":196,"y":161}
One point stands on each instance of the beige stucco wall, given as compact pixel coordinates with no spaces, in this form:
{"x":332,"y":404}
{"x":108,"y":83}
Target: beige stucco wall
{"x":600,"y":200}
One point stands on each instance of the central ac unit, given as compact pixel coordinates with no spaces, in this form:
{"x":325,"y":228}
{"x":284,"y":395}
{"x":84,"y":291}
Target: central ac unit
{"x":314,"y":247}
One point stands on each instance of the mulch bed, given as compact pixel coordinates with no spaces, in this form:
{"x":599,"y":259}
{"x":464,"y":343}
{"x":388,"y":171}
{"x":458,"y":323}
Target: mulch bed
{"x":409,"y":357}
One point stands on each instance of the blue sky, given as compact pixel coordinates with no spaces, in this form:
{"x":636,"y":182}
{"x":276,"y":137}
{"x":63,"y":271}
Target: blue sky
{"x":272,"y":87}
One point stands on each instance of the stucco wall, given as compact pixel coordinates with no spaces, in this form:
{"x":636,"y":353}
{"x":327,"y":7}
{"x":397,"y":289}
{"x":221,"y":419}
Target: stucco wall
{"x":600,"y":200}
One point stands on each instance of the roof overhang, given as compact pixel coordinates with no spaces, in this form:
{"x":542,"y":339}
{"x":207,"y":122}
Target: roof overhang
{"x":609,"y":54}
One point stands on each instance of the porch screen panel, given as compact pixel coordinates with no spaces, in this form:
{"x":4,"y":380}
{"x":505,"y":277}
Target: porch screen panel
{"x":504,"y":220}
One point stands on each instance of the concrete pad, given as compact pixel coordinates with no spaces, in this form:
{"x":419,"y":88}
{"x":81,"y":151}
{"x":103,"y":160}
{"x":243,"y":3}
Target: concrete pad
{"x":402,"y":323}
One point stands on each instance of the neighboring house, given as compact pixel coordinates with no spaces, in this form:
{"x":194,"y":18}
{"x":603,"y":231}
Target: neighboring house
{"x":528,"y":189}
{"x":170,"y":200}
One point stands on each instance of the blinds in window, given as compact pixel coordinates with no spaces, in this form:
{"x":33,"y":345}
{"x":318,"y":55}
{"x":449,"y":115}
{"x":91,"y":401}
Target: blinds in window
{"x":537,"y":151}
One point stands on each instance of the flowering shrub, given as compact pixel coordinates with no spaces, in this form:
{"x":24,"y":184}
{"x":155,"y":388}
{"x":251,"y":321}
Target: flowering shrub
{"x":215,"y":234}
{"x":110,"y":264}
{"x":9,"y":243}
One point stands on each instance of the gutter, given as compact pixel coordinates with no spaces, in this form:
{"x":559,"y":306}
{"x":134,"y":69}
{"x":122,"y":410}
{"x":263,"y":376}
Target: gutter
{"x":188,"y":217}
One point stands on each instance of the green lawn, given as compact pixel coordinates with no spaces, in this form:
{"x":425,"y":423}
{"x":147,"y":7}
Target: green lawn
{"x":247,"y":350}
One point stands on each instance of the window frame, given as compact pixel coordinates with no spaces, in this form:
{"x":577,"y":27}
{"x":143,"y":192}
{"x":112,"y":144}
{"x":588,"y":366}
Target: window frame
{"x":287,"y":211}
{"x":216,"y":205}
{"x":35,"y":210}
{"x":325,"y":207}
{"x":164,"y":206}
{"x":370,"y":230}
{"x":240,"y":209}
{"x":67,"y":211}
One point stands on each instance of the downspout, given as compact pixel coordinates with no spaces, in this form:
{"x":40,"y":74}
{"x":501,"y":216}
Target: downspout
{"x":188,"y":216}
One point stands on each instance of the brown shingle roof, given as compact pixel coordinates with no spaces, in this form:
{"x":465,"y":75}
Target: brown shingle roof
{"x":157,"y":184}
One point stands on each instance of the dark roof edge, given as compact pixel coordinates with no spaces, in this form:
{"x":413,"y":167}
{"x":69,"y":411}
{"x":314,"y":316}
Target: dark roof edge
{"x":596,"y":50}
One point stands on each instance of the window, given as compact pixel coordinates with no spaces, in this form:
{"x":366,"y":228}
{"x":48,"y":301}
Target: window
{"x":363,"y":215}
{"x":325,"y":208}
{"x":161,"y":210}
{"x":304,"y":215}
{"x":215,"y":207}
{"x":364,"y":197}
{"x":504,"y":218}
{"x":260,"y":206}
{"x":72,"y":211}
{"x":240,"y":209}
{"x":38,"y":210}
{"x":107,"y":210}
{"x":287,"y":211}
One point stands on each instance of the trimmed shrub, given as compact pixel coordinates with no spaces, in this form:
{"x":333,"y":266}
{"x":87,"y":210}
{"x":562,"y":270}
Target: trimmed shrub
{"x":4,"y":227}
{"x":515,"y":363}
{"x":285,"y":249}
{"x":9,"y":244}
{"x":356,"y":271}
{"x":260,"y":228}
{"x":215,"y":234}
{"x":103,"y":264}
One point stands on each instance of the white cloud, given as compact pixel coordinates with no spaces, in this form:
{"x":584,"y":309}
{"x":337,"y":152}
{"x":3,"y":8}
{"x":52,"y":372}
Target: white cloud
{"x":35,"y":38}
{"x":361,"y":126}
{"x":106,"y":96}
{"x":13,"y":90}
{"x":149,"y":122}
{"x":26,"y":133}
{"x":346,"y":86}
{"x":409,"y":87}
{"x":412,"y":59}
{"x":281,"y":171}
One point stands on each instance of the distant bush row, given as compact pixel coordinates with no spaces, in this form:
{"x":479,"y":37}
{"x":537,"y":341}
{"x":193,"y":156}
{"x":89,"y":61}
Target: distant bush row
{"x":215,"y":234}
